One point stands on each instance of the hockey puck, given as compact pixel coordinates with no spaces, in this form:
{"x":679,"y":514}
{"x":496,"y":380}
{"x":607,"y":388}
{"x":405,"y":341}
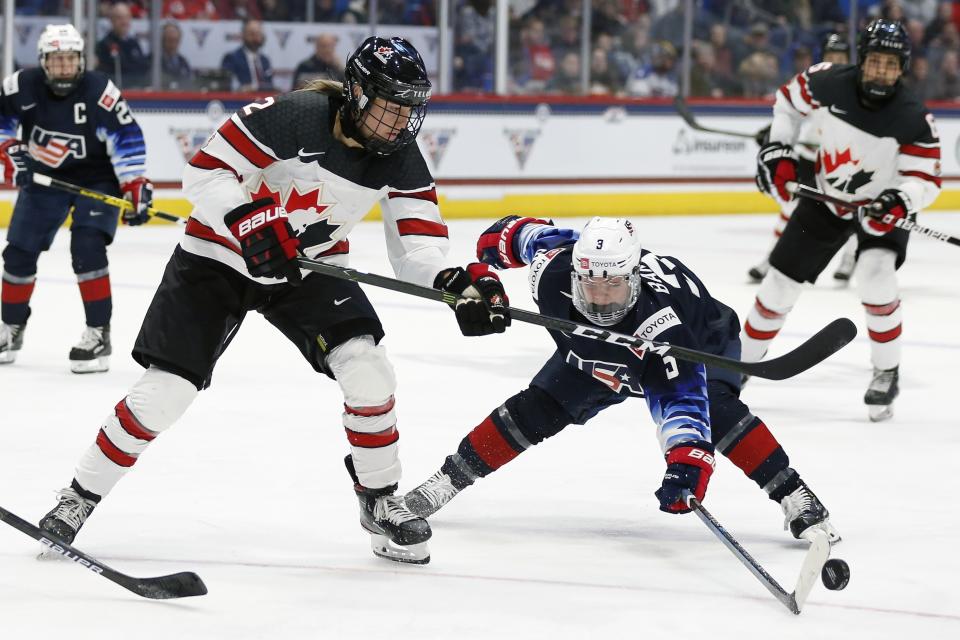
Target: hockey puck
{"x":835,"y":574}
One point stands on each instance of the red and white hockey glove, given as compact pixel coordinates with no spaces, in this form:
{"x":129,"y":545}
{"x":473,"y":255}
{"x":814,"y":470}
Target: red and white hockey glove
{"x":880,"y":216}
{"x":689,"y":467}
{"x":484,"y":307}
{"x":495,"y":246}
{"x":776,"y":166}
{"x":13,"y":163}
{"x":267,"y":241}
{"x":139,"y":192}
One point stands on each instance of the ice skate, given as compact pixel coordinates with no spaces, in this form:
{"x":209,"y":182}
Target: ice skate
{"x":845,"y":269}
{"x":430,"y":496}
{"x":883,"y":390}
{"x":64,"y":520}
{"x":803,"y":512}
{"x":11,"y":339}
{"x":758,"y":272}
{"x":395,"y":533}
{"x":92,"y":353}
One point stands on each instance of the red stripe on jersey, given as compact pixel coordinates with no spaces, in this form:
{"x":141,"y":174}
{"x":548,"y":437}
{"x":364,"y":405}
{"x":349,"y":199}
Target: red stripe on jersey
{"x":199,"y":230}
{"x":414,"y":227}
{"x":886,"y":336}
{"x":16,"y":293}
{"x":96,"y":289}
{"x":114,"y":454}
{"x":763,"y":311}
{"x":882,"y":309}
{"x":429,"y":194}
{"x":803,"y":90}
{"x":202,"y":160}
{"x":786,"y":93}
{"x":753,"y":449}
{"x":923,"y":152}
{"x":784,"y":217}
{"x":759,"y":335}
{"x":366,"y":412}
{"x":244,"y":145}
{"x":130,"y":423}
{"x":490,"y":444}
{"x":923,"y":176}
{"x":373,"y":440}
{"x":341,"y":247}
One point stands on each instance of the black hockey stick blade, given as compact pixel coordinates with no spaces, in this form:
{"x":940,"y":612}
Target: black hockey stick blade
{"x":177,"y":585}
{"x":683,"y":109}
{"x":120,"y":203}
{"x":826,"y":341}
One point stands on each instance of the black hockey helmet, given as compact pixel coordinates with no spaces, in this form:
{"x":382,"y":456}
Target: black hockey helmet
{"x":836,"y":42}
{"x":390,"y":69}
{"x":884,"y":36}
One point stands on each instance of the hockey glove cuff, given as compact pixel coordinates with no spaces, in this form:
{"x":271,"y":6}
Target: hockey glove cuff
{"x":495,"y":246}
{"x":880,"y":216}
{"x":776,"y":166}
{"x":267,"y":242}
{"x":689,"y":467}
{"x":13,"y":163}
{"x":483,"y":307}
{"x":139,"y":192}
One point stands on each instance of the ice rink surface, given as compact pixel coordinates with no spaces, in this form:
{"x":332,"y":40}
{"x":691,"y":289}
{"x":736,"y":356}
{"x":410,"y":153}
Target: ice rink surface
{"x":249,"y":489}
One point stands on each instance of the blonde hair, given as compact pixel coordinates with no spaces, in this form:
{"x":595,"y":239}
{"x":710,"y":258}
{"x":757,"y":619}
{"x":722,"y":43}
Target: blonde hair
{"x":321,"y":85}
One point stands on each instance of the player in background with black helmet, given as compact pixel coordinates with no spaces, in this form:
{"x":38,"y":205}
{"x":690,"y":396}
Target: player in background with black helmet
{"x":76,"y":127}
{"x":288,"y":176}
{"x":835,"y":50}
{"x":878,"y":144}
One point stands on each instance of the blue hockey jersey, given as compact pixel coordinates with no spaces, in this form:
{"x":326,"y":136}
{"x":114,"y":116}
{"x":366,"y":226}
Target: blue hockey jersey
{"x":86,"y":137}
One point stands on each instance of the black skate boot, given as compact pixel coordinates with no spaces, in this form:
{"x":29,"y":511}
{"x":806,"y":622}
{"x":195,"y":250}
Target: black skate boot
{"x":883,"y":390}
{"x":395,"y":533}
{"x":92,"y":353}
{"x":845,"y":269}
{"x":803,"y":513}
{"x":11,"y":339}
{"x":64,"y":520}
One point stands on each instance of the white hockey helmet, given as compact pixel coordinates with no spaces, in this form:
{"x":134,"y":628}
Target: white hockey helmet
{"x":60,"y":38}
{"x":606,"y":270}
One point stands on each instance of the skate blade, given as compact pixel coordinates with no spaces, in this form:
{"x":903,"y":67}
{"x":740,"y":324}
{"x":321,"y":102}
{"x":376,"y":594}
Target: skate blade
{"x":384,"y":547}
{"x":96,"y":365}
{"x":825,"y":528}
{"x":8,"y":357}
{"x":880,"y":412}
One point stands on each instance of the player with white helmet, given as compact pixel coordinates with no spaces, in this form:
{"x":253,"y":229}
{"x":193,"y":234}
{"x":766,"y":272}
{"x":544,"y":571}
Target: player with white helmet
{"x":76,"y":127}
{"x":604,"y":277}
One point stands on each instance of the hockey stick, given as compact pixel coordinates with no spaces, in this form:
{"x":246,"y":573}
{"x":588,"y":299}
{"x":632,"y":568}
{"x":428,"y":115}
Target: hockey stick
{"x":820,"y":346}
{"x":811,"y":193}
{"x":684,"y":110}
{"x":813,"y":562}
{"x":177,"y":585}
{"x":47,"y":181}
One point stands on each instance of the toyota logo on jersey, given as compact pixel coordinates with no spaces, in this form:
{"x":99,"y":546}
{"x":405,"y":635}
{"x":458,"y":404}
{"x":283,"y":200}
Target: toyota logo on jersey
{"x":52,"y":148}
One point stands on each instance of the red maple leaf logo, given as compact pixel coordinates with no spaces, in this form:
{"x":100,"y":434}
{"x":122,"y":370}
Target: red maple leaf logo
{"x":295,"y":201}
{"x":263,"y":191}
{"x":831,"y":163}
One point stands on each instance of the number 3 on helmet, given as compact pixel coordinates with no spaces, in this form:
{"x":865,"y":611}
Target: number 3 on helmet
{"x":605,"y":281}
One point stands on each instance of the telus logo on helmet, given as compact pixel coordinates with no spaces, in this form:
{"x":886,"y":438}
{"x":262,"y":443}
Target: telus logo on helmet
{"x":261,"y":218}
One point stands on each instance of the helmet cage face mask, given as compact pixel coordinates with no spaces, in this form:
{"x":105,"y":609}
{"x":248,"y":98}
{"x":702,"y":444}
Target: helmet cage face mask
{"x":605,"y":281}
{"x":60,"y":39}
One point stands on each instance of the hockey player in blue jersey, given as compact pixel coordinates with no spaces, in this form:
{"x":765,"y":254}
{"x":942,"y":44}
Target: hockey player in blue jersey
{"x":73,"y":125}
{"x":602,"y":276}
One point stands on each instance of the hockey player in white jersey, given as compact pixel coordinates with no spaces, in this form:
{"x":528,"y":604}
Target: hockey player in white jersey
{"x":878,"y":144}
{"x":293,"y":175}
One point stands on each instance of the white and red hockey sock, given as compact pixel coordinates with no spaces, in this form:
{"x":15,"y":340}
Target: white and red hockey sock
{"x":774,"y":300}
{"x":373,"y":436}
{"x":877,"y":283}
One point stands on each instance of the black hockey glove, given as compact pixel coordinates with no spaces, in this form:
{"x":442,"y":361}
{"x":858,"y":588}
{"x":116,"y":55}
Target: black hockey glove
{"x":483,"y":308}
{"x":776,"y":166}
{"x":689,"y":466}
{"x":13,"y":163}
{"x":266,"y":239}
{"x":139,"y":192}
{"x":880,"y":216}
{"x":495,"y":246}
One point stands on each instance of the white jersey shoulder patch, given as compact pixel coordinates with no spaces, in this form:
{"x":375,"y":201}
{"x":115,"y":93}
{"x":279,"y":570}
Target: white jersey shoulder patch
{"x":658,"y":323}
{"x":110,"y":96}
{"x":11,"y":84}
{"x":538,"y":266}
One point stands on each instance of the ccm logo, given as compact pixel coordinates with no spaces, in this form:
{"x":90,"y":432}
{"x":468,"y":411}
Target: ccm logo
{"x":703,"y":455}
{"x":261,"y":218}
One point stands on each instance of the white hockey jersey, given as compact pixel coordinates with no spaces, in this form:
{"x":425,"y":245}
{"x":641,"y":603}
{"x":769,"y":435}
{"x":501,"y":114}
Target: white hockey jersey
{"x":284,"y":149}
{"x":862,"y":151}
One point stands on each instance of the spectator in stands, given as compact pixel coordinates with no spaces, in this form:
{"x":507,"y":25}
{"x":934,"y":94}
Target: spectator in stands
{"x":274,"y":11}
{"x":538,"y":64}
{"x":567,"y":38}
{"x":946,"y":85}
{"x":947,"y":40}
{"x":802,"y":60}
{"x":190,"y":9}
{"x":934,"y":27}
{"x":724,"y":59}
{"x":635,"y":52}
{"x":119,"y":54}
{"x":606,"y":17}
{"x":604,"y":80}
{"x":659,"y":78}
{"x":567,"y":78}
{"x":251,"y":69}
{"x":473,"y":46}
{"x":759,"y":74}
{"x":138,"y":8}
{"x":323,"y":64}
{"x":919,"y":78}
{"x":915,"y":31}
{"x":355,"y":13}
{"x":238,"y":10}
{"x":921,"y":10}
{"x":757,"y":39}
{"x":668,"y":25}
{"x":703,"y":80}
{"x":175,"y":71}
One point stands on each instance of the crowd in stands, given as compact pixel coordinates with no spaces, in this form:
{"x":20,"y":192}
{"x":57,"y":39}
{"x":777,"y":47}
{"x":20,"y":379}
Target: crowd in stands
{"x":740,"y":48}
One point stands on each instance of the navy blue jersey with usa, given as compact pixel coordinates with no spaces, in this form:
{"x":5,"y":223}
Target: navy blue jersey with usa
{"x":674,"y":306}
{"x":86,"y":137}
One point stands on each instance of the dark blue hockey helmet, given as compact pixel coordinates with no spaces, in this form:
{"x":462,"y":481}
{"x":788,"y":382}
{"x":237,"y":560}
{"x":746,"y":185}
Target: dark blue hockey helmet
{"x":836,"y":42}
{"x":883,"y":36}
{"x":392,"y":71}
